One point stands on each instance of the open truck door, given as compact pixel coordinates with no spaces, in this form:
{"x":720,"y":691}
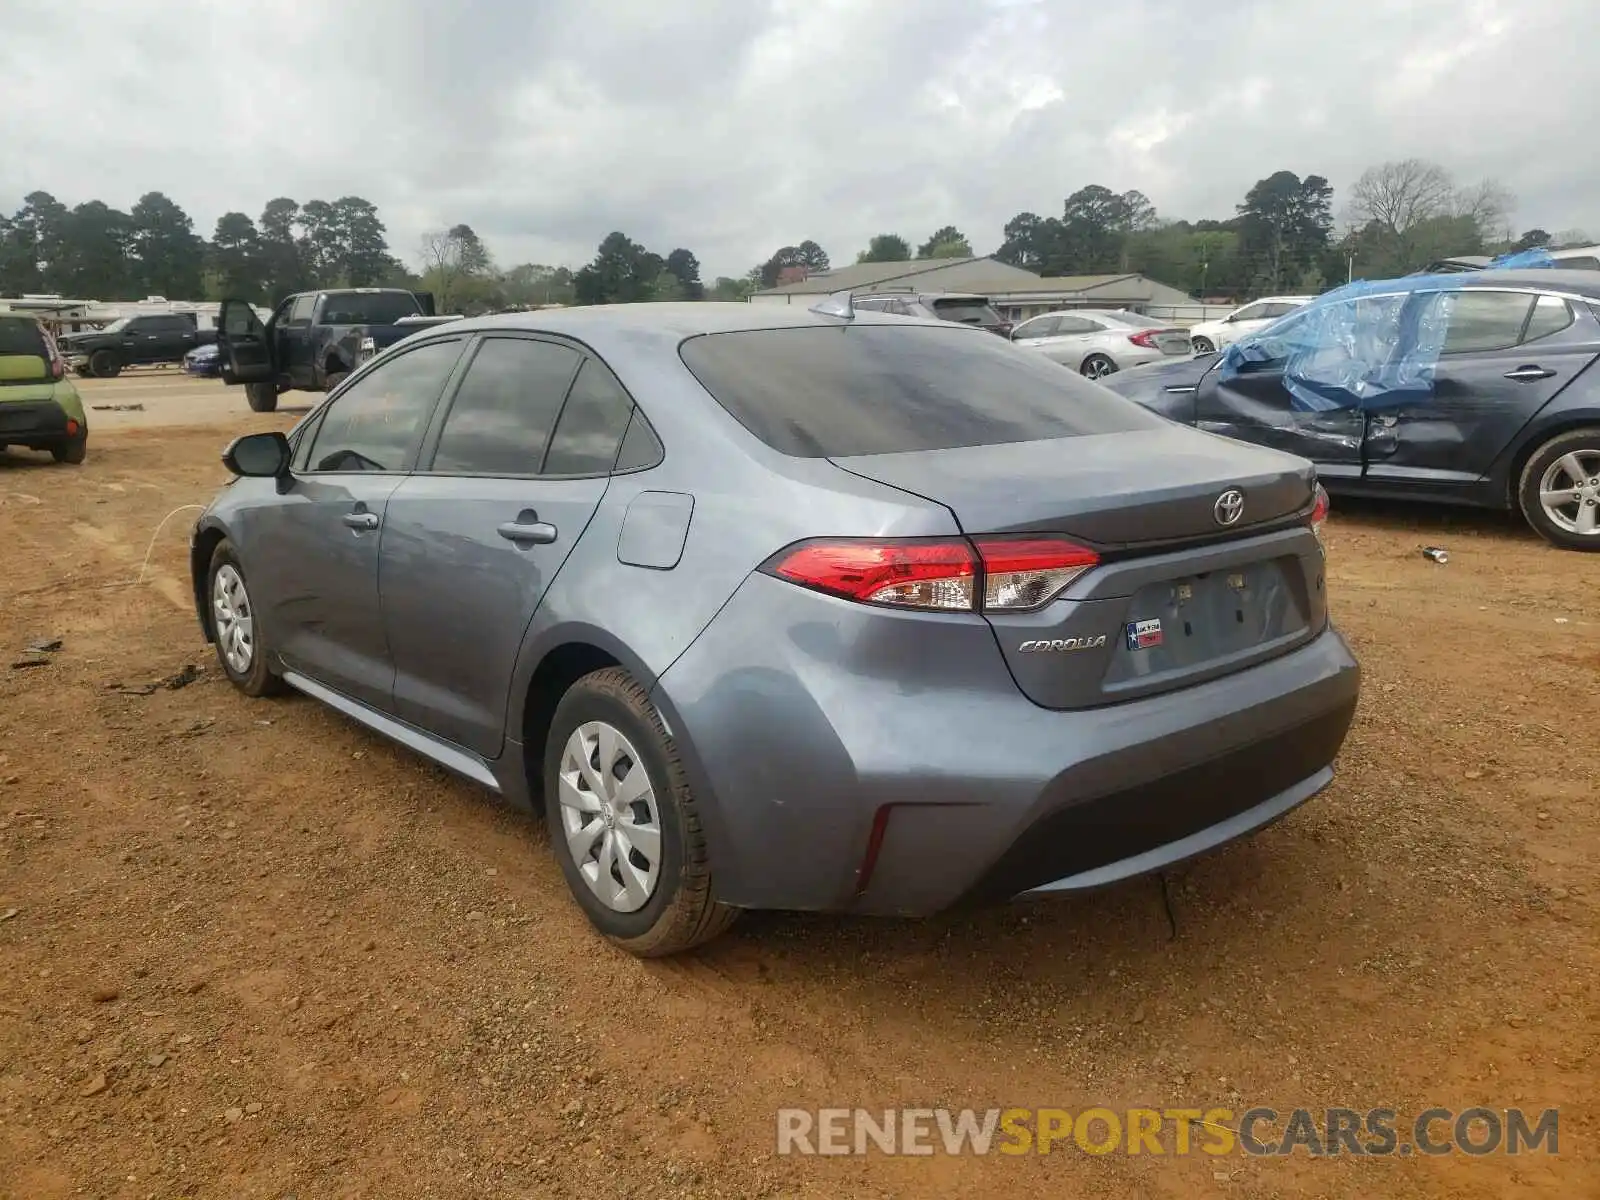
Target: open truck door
{"x":248,"y":354}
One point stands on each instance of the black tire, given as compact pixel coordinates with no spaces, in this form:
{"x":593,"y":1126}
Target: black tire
{"x":1201,"y":345}
{"x":1586,"y":443}
{"x":258,"y":680}
{"x":680,"y":914}
{"x":1097,"y":366}
{"x":105,"y":364}
{"x":73,"y":451}
{"x":334,"y":379}
{"x":262,"y":397}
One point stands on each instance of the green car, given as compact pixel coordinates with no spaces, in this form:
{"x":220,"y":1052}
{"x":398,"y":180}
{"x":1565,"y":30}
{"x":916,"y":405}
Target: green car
{"x":39,"y":407}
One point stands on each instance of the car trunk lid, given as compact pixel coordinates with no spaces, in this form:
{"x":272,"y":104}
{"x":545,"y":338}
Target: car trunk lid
{"x":1179,"y":595}
{"x":1113,"y":490}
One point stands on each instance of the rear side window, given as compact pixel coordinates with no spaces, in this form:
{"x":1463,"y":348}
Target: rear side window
{"x":592,"y":424}
{"x":972,"y":312}
{"x":500,"y":420}
{"x":21,"y":335}
{"x":879,"y":389}
{"x":1551,"y":314}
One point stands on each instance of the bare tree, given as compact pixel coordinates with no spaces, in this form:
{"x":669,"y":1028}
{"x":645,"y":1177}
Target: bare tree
{"x":1489,"y":204}
{"x":441,"y":264}
{"x":1397,"y":195}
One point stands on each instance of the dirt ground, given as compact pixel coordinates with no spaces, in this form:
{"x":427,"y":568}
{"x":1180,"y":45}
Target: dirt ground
{"x":248,"y":950}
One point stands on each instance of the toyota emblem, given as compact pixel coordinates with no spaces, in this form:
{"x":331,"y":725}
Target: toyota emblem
{"x":1229,"y":507}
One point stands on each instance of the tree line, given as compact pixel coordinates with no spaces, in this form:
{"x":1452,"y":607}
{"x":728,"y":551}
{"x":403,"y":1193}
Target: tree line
{"x":1283,"y":236}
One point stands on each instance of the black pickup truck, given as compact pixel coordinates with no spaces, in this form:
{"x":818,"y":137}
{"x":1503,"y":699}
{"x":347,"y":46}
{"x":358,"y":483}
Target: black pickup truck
{"x":133,"y":342}
{"x":313,"y":340}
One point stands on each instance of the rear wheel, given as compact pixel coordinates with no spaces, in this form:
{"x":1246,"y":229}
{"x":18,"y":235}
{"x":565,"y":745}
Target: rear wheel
{"x":1202,"y":345}
{"x":104,"y":364}
{"x":263,"y":397}
{"x":1559,"y":492}
{"x":623,"y":822}
{"x":1097,"y":366}
{"x":73,"y":451}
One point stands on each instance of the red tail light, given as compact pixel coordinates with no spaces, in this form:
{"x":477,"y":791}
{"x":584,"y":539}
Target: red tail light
{"x":988,"y":574}
{"x":58,"y":365}
{"x":1319,"y":510}
{"x":1145,"y":338}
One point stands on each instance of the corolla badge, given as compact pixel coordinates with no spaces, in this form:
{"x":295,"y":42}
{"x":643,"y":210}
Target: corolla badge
{"x":1046,"y":645}
{"x":1229,"y":507}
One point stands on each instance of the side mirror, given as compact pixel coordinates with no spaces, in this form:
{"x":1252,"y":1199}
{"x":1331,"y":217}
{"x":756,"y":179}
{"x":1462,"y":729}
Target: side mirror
{"x":258,"y":455}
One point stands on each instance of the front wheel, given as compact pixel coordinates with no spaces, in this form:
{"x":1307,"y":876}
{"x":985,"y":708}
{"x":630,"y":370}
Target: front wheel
{"x":1097,"y":366}
{"x":263,"y":397}
{"x":1201,"y":345}
{"x":104,"y":364}
{"x":1559,"y":492}
{"x":624,"y":824}
{"x":235,"y":629}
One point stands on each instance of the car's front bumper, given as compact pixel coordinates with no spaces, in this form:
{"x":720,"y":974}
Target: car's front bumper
{"x":842,"y":766}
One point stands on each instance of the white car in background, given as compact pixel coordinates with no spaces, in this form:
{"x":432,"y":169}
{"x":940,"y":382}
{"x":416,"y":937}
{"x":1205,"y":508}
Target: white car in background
{"x":1096,"y":342}
{"x":1258,"y":314}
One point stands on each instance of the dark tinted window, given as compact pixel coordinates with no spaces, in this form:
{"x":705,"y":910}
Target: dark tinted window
{"x":368,"y":308}
{"x":878,"y":389}
{"x":1483,"y":320}
{"x":1551,"y":314}
{"x":20,"y":335}
{"x":1076,"y":325}
{"x":591,"y":426}
{"x":375,"y":423}
{"x":500,"y":420}
{"x":640,"y":446}
{"x":973,"y":312}
{"x":1586,"y":263}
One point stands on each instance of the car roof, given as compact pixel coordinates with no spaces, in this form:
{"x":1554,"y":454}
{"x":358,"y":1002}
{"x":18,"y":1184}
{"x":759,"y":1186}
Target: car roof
{"x":668,"y":322}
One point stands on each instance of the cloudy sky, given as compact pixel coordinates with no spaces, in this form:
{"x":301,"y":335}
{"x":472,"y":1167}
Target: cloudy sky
{"x":735,"y":126}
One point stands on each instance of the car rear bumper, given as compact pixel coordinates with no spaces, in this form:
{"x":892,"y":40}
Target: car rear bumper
{"x":37,"y":423}
{"x":841,"y":766}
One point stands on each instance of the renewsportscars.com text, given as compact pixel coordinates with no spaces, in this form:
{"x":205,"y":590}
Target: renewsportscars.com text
{"x":1378,"y":1132}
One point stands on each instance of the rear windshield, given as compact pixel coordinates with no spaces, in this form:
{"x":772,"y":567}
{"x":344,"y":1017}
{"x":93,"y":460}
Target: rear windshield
{"x":973,"y":312}
{"x":20,"y":335}
{"x":880,"y":389}
{"x":368,"y":308}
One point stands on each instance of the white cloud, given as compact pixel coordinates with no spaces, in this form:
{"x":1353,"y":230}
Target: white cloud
{"x":735,"y":126}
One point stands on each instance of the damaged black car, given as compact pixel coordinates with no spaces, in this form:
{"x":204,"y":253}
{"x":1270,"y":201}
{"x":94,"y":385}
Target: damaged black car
{"x":1475,"y":388}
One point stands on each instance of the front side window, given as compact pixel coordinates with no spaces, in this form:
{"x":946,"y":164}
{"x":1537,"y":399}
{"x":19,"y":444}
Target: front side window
{"x":376,"y":423}
{"x":505,"y":408}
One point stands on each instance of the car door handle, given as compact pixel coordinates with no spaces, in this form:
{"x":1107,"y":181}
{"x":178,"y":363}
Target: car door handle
{"x":361,"y":520}
{"x":537,"y":533}
{"x":1529,"y":374}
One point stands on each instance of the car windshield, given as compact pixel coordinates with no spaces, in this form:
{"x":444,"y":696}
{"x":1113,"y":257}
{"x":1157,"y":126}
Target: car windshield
{"x":968,"y":311}
{"x":117,"y":326}
{"x":879,"y":389}
{"x":368,"y":308}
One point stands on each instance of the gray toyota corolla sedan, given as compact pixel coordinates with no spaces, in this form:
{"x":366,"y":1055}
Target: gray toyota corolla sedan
{"x":770,"y":607}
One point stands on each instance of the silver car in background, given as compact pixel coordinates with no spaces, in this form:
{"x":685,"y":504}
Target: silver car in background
{"x":1097,"y":342}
